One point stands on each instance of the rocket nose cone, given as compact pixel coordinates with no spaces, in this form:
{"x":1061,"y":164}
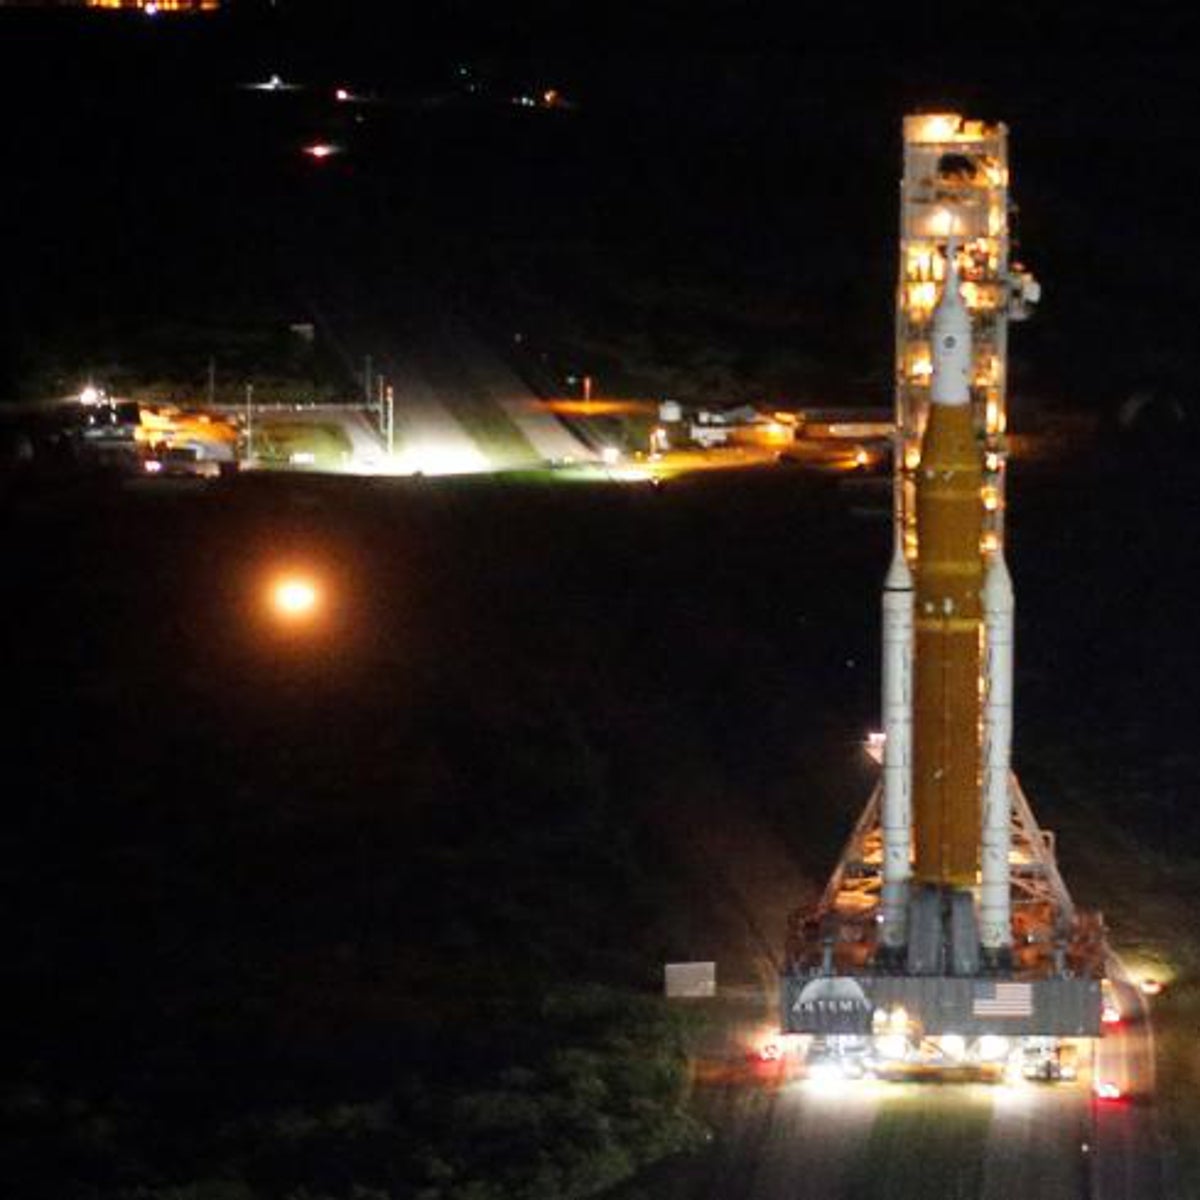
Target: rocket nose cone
{"x":951,"y":256}
{"x":950,"y":336}
{"x":950,"y":309}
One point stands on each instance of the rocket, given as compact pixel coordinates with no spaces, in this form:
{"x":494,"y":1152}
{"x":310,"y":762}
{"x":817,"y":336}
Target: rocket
{"x":947,"y":693}
{"x":948,"y":613}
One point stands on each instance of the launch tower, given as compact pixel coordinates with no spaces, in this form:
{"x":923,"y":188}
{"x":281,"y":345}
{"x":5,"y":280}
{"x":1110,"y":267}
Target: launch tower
{"x":955,"y":185}
{"x":946,"y":934}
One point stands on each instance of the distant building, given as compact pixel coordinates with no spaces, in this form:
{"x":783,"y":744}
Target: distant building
{"x":150,"y":7}
{"x":157,"y":6}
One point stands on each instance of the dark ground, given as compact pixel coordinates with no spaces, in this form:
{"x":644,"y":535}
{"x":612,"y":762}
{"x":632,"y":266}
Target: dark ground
{"x":258,"y":880}
{"x":261,"y":875}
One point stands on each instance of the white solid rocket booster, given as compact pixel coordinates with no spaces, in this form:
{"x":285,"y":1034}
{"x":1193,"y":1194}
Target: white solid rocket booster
{"x":896,"y":817}
{"x":995,"y":929}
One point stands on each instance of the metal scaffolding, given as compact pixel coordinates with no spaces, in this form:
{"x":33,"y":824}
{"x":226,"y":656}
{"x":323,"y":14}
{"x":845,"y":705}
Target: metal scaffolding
{"x":954,"y":193}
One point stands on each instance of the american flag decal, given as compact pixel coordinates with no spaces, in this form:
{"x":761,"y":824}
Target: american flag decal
{"x":1003,"y":1000}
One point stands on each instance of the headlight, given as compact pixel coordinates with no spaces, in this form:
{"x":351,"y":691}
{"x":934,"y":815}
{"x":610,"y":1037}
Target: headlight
{"x":993,"y":1047}
{"x":826,"y":1071}
{"x":953,"y":1045}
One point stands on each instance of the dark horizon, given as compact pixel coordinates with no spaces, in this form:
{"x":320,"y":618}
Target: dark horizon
{"x":709,"y":176}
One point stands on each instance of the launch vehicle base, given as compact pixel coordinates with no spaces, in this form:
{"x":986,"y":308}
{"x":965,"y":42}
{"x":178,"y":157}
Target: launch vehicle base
{"x":967,"y":1007}
{"x":840,"y":980}
{"x":894,"y":1058}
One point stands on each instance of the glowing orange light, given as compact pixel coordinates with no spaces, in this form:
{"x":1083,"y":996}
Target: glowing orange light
{"x":320,"y":151}
{"x":922,"y":296}
{"x":295,"y":598}
{"x":921,"y":366}
{"x":596,"y":408}
{"x":152,"y":7}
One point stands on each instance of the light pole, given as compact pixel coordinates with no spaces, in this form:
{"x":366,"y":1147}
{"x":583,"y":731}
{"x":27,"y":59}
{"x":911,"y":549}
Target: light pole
{"x":249,"y":421}
{"x":1091,"y":1130}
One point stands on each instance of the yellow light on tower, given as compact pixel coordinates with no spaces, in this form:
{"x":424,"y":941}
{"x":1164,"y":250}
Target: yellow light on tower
{"x":922,"y":296}
{"x":992,"y":417}
{"x":997,"y":176}
{"x":936,"y":127}
{"x":941,"y":222}
{"x":920,"y":261}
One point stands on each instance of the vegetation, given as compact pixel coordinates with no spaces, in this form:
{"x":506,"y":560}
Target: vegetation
{"x":593,"y":1094}
{"x":155,"y":357}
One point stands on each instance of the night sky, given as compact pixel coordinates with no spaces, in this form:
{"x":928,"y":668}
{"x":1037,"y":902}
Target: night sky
{"x":727,"y":177}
